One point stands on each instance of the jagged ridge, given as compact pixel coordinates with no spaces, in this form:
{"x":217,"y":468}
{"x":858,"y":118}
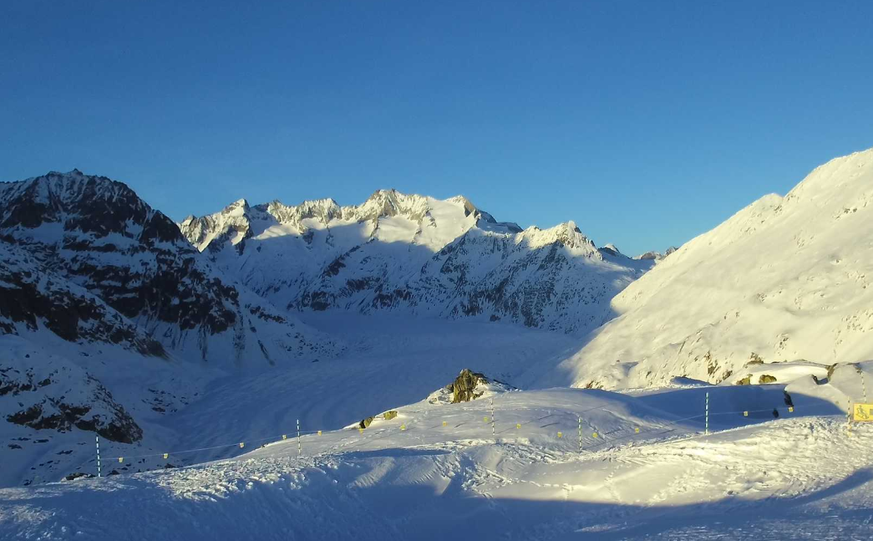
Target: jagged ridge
{"x":410,"y":252}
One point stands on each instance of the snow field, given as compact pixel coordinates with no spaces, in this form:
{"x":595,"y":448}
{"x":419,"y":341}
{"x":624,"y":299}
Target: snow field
{"x":584,"y":420}
{"x":445,"y":471}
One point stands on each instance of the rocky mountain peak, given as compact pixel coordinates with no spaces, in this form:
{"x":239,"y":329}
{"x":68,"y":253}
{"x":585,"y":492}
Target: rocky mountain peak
{"x":566,"y":234}
{"x":87,"y":204}
{"x":101,"y":237}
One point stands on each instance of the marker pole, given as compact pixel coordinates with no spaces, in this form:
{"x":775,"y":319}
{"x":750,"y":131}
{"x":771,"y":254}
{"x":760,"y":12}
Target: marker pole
{"x":492,"y":417}
{"x":97,"y":441}
{"x":580,"y":434}
{"x":707,"y":413}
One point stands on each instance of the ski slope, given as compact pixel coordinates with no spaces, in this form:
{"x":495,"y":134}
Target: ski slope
{"x":438,"y":468}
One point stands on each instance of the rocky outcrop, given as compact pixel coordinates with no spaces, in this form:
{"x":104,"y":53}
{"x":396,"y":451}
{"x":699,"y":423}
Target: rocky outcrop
{"x":32,"y":297}
{"x":60,"y":396}
{"x":367,"y":421}
{"x":464,"y":388}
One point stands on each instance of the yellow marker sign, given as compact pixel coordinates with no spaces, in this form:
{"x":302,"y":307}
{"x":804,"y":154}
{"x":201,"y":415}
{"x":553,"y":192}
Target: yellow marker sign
{"x":637,"y":430}
{"x":560,"y":434}
{"x":241,"y":445}
{"x":361,"y":430}
{"x":485,"y":419}
{"x":445,"y":423}
{"x":120,"y":459}
{"x":319,"y":432}
{"x":517,"y":425}
{"x":745,"y":414}
{"x":863,"y":412}
{"x":594,"y":435}
{"x":402,"y":427}
{"x":790,"y":409}
{"x":284,"y":437}
{"x":166,"y":456}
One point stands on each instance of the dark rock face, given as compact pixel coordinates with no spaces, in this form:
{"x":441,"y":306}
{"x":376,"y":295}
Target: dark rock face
{"x":84,"y":259}
{"x":66,"y":398}
{"x":31,"y":296}
{"x":96,"y":234}
{"x":464,"y":387}
{"x":104,"y":238}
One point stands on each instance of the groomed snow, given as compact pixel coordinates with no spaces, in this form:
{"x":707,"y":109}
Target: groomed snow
{"x":437,"y":468}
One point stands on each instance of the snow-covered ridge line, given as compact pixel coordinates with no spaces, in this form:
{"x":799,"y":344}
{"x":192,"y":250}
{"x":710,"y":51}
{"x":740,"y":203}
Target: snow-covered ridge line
{"x":322,"y":212}
{"x":399,"y":252}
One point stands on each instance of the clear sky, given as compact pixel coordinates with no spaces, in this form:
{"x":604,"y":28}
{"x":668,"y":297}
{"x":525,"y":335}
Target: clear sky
{"x":645,"y":122}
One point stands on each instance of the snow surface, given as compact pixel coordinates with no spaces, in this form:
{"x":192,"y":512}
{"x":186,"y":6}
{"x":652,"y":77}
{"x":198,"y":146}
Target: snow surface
{"x":436,"y":468}
{"x":786,"y":278}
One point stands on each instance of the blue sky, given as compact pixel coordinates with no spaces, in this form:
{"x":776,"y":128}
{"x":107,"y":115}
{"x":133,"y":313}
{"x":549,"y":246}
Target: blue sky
{"x":645,"y":122}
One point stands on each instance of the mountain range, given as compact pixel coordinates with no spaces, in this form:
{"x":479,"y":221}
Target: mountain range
{"x":415,"y":254}
{"x":114,"y":318}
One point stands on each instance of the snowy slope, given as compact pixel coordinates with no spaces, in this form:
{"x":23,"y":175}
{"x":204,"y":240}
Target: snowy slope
{"x":437,"y":468}
{"x":415,"y":254}
{"x":785,"y":278}
{"x":184,"y":405}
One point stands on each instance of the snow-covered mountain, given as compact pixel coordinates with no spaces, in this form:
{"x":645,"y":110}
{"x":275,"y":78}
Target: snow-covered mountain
{"x":785,"y":278}
{"x":99,"y":235}
{"x":34,"y":299}
{"x":410,"y":253}
{"x":109,"y":319}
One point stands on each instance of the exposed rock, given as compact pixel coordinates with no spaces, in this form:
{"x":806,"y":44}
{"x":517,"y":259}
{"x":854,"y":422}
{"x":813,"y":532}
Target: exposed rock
{"x":745,"y":381}
{"x":58,"y":395}
{"x":766,"y":378}
{"x":754,"y":358}
{"x":464,"y":387}
{"x":103,"y":244}
{"x":388,"y":415}
{"x":32,"y":296}
{"x":366,"y":422}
